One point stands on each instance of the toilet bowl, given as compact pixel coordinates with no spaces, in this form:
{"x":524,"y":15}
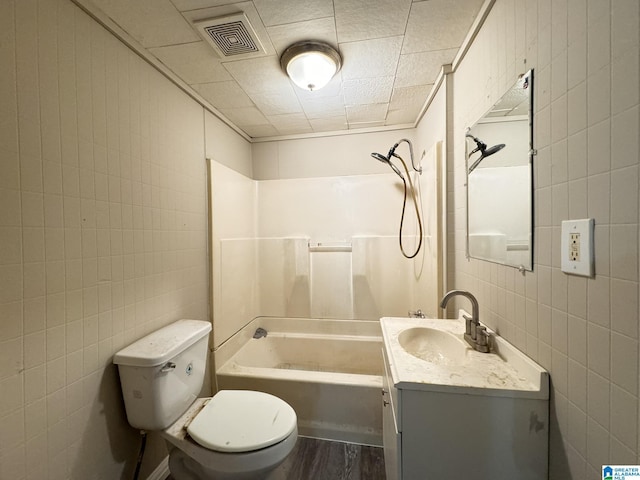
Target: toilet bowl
{"x":234,"y":435}
{"x":237,"y":434}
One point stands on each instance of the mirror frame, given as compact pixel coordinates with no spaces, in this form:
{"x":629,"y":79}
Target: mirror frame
{"x":532,"y":152}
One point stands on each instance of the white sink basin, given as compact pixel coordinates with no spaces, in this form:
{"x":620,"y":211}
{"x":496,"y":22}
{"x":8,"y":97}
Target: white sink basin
{"x":434,"y":346}
{"x":431,"y":354}
{"x":490,"y":409}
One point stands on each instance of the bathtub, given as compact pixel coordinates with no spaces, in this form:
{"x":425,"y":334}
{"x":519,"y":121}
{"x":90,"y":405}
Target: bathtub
{"x":329,"y":371}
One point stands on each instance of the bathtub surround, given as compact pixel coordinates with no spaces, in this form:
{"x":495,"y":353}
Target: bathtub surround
{"x":285,"y":277}
{"x":330,"y":281}
{"x":270,"y":257}
{"x":265,"y":235}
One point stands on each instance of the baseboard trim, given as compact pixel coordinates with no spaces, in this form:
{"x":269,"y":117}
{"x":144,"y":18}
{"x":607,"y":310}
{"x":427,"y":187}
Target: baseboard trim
{"x":161,"y":472}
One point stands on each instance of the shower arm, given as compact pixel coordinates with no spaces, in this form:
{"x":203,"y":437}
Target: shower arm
{"x":480,"y":145}
{"x":392,"y":153}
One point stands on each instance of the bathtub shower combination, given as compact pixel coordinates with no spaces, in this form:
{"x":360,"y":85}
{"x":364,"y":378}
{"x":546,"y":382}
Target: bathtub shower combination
{"x":329,"y":371}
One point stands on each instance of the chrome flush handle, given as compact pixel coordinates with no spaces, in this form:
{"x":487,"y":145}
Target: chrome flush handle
{"x":167,"y":367}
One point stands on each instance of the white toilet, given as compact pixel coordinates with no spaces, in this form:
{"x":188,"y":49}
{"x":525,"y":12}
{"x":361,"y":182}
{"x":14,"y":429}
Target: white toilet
{"x":236,"y":434}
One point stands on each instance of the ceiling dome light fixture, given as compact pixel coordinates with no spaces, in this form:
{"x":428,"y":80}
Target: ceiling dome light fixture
{"x":310,"y":65}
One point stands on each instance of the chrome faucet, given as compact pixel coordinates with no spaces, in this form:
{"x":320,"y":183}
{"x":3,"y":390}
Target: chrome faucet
{"x":475,"y":334}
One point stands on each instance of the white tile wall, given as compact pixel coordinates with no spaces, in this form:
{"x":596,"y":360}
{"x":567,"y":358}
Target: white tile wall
{"x":585,"y":331}
{"x":103,"y":234}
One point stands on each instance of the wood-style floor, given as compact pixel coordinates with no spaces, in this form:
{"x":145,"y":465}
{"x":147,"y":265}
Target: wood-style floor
{"x":313,"y":459}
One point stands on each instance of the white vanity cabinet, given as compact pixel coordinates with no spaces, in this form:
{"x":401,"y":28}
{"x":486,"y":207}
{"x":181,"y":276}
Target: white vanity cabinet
{"x":435,"y":429}
{"x":391,"y":437}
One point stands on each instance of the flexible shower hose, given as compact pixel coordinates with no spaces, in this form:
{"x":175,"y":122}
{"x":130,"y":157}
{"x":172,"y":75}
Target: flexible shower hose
{"x":404,"y":205}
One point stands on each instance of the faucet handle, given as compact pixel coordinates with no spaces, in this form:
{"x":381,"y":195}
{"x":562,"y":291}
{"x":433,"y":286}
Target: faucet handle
{"x":468,"y":322}
{"x":482,"y":336}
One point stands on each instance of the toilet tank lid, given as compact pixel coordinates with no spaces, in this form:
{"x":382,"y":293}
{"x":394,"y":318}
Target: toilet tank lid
{"x":160,"y":346}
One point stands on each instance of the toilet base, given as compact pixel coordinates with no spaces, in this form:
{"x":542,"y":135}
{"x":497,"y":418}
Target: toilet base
{"x":183,"y":467}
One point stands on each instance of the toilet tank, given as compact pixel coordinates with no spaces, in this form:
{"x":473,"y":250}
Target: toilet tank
{"x":162,"y":374}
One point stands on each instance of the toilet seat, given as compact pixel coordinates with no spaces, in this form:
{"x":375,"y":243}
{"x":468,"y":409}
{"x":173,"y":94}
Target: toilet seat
{"x":236,"y":421}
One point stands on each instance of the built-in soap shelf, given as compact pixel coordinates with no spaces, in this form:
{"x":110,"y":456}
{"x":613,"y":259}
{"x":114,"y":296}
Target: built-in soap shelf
{"x":315,"y":247}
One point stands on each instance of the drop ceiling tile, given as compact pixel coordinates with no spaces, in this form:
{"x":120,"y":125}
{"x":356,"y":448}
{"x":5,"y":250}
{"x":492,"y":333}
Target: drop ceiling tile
{"x":329,"y":124}
{"x":185,"y":5}
{"x":321,"y":29}
{"x":522,"y":109}
{"x":223,"y":94}
{"x":323,"y":107}
{"x":404,"y":97}
{"x":259,"y":75}
{"x":357,"y":126}
{"x":257,"y":131}
{"x":291,"y":11}
{"x":153,"y":23}
{"x":403,"y":116}
{"x":370,"y":58}
{"x":366,"y":19}
{"x":393,"y":50}
{"x":367,"y":115}
{"x":290,"y":124}
{"x":439,"y":24}
{"x":277,"y":103}
{"x":245,"y":116}
{"x":423,"y":67}
{"x":193,"y":62}
{"x":368,"y":90}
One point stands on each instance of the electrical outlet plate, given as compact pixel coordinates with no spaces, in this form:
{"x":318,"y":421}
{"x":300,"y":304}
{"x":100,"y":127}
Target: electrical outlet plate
{"x":576,"y":245}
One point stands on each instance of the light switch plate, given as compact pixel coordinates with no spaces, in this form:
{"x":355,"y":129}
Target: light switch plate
{"x":576,"y":245}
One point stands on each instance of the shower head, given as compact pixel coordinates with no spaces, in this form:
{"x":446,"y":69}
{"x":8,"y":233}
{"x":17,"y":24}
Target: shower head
{"x":492,"y":150}
{"x":380,"y":157}
{"x":484,"y":151}
{"x":383,"y":159}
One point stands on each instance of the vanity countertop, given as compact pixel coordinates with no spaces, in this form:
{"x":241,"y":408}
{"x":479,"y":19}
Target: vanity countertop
{"x":505,"y":372}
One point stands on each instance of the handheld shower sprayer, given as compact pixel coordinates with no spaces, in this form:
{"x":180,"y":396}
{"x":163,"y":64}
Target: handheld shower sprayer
{"x":383,"y":159}
{"x":484,"y":151}
{"x":387,"y":160}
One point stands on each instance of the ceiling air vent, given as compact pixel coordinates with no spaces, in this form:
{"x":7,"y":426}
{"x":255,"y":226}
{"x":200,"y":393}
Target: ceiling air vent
{"x":232,"y":36}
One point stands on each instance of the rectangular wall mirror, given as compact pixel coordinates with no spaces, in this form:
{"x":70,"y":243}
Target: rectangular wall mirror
{"x":499,"y":152}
